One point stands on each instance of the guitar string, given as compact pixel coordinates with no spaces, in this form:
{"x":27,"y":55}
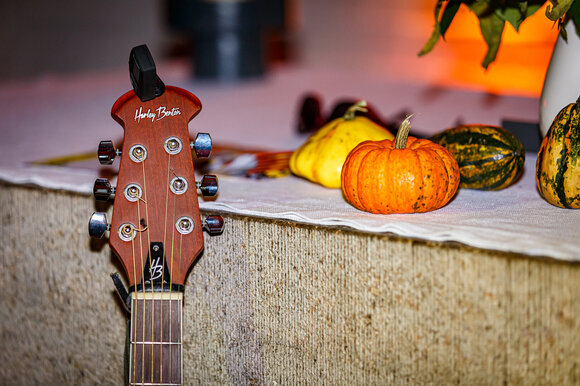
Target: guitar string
{"x":139,"y":198}
{"x":173,"y":230}
{"x":134,"y":315}
{"x":171,"y":282}
{"x":180,"y":314}
{"x":134,"y":308}
{"x":171,"y":271}
{"x":170,"y":291}
{"x":150,"y":273}
{"x":163,"y":266}
{"x":134,"y":311}
{"x":143,"y":288}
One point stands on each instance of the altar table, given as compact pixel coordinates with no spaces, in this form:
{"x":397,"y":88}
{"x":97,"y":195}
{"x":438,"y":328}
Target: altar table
{"x":301,"y":288}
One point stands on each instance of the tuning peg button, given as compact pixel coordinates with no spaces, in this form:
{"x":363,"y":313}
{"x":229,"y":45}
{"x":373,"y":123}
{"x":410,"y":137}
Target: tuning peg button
{"x":201,"y":145}
{"x":102,"y":190}
{"x":107,"y":152}
{"x":214,"y":225}
{"x":208,"y":185}
{"x":98,"y":225}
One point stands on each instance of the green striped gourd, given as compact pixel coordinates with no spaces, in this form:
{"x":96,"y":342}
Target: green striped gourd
{"x":489,"y":157}
{"x":558,"y":164}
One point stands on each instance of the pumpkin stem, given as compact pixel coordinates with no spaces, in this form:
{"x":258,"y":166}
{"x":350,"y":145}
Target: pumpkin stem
{"x":358,"y":106}
{"x":578,"y":100}
{"x":403,"y":133}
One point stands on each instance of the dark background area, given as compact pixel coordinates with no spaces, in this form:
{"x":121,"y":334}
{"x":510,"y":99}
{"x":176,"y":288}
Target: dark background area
{"x":65,"y":36}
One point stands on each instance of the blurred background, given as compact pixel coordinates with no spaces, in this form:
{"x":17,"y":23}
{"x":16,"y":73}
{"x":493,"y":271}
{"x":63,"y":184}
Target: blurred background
{"x":234,"y":39}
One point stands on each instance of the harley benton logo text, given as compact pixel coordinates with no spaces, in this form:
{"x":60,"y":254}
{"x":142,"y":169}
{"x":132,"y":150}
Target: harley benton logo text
{"x":156,"y":115}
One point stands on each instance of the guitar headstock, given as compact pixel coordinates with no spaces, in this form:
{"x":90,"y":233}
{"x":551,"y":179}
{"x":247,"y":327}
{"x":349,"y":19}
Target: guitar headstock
{"x":156,"y":229}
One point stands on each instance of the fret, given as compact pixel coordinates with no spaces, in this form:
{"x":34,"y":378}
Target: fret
{"x":155,"y":341}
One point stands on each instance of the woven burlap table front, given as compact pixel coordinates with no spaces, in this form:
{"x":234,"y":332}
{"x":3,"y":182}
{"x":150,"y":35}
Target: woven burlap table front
{"x":276,"y":302}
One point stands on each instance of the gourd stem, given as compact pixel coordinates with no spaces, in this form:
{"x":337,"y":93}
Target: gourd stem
{"x":358,"y":106}
{"x":403,"y":133}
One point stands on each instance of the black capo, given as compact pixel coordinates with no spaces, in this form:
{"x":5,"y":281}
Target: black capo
{"x":144,"y":79}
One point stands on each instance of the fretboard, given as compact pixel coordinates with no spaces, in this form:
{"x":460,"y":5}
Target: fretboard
{"x":155,"y":356}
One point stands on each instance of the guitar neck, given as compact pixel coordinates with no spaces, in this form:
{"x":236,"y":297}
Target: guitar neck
{"x":156,"y":229}
{"x":155,"y":349}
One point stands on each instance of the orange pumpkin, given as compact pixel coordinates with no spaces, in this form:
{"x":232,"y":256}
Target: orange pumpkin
{"x":407,"y":175}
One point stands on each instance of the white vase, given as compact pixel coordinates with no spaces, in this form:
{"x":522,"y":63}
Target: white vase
{"x":562,"y":82}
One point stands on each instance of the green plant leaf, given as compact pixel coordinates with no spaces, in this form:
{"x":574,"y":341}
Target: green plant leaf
{"x":491,"y":27}
{"x":493,"y":14}
{"x":448,"y":15}
{"x":513,"y":16}
{"x":575,"y":15}
{"x":558,"y":9}
{"x":531,"y":9}
{"x":516,"y":12}
{"x":563,"y":32}
{"x":481,"y":8}
{"x":436,"y":31}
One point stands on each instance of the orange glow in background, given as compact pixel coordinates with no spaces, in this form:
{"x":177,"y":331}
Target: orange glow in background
{"x":382,"y":38}
{"x":521,"y":62}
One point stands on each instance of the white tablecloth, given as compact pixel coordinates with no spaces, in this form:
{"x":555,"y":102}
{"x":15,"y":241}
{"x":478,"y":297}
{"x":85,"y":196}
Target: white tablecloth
{"x":51,"y":117}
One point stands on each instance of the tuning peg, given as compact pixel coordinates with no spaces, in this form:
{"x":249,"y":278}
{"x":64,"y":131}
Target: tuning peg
{"x":107,"y":152}
{"x":102,"y":190}
{"x":208,"y":185}
{"x":214,"y":225}
{"x":201,"y":145}
{"x":98,"y":225}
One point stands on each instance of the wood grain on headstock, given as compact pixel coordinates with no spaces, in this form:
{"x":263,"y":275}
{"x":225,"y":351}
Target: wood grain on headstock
{"x":150,"y":124}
